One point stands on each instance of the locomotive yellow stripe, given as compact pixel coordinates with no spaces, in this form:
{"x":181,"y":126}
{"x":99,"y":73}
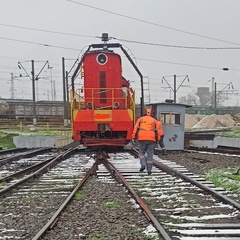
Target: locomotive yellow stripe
{"x":130,"y":113}
{"x":102,"y":115}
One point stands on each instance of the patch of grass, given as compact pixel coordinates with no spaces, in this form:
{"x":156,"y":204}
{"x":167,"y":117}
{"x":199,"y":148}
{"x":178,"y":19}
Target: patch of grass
{"x":147,"y":203}
{"x":228,"y":178}
{"x":233,"y":133}
{"x":2,"y":184}
{"x":6,"y":140}
{"x":97,"y":238}
{"x":6,"y":135}
{"x":78,"y":195}
{"x":28,"y":132}
{"x":110,"y":204}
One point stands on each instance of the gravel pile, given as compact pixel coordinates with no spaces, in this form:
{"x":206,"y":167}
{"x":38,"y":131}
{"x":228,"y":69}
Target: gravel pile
{"x":197,"y":121}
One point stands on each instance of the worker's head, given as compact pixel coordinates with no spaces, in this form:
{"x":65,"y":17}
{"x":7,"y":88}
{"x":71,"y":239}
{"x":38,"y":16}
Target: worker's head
{"x":148,"y":111}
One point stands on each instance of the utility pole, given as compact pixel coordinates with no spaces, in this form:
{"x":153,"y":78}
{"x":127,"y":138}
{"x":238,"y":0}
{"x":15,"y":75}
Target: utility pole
{"x":67,"y":95}
{"x":148,"y":89}
{"x":66,"y":75}
{"x":64,"y":93}
{"x":175,"y":89}
{"x":12,"y":88}
{"x":217,"y":95}
{"x":53,"y":92}
{"x":33,"y":92}
{"x":33,"y":78}
{"x":213,"y":95}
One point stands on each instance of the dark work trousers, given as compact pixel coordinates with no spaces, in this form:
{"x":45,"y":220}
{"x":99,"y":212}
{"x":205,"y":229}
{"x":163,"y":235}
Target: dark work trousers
{"x":161,"y":144}
{"x":146,"y":149}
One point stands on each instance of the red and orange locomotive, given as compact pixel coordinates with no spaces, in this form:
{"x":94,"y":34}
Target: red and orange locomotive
{"x":103,"y":110}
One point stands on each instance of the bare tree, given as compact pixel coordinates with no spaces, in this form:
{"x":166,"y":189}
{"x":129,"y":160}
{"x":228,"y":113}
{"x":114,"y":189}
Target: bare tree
{"x":190,"y":99}
{"x":201,"y":98}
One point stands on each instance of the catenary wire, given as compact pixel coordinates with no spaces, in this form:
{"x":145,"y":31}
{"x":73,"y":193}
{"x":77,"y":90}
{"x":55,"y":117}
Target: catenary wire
{"x":151,"y":23}
{"x":120,"y":39}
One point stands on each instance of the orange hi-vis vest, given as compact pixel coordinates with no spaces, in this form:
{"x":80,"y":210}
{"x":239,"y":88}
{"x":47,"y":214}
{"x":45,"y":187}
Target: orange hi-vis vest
{"x":145,"y":129}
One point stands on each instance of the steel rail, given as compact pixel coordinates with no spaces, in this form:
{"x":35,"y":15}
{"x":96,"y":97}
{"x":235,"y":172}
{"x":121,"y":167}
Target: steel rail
{"x":12,"y":150}
{"x":26,"y":170}
{"x":53,"y":219}
{"x":101,"y":157}
{"x":148,"y":213}
{"x":196,"y":183}
{"x":20,"y":155}
{"x":40,"y":171}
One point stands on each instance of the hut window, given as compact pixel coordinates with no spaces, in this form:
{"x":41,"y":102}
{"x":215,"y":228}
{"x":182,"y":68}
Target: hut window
{"x":170,"y":118}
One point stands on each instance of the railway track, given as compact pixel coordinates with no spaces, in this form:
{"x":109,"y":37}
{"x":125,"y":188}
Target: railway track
{"x":164,"y":205}
{"x":19,"y":169}
{"x":9,"y":156}
{"x":24,"y":208}
{"x":219,"y":149}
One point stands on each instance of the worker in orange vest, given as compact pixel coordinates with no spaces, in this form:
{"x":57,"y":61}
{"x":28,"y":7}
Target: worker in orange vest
{"x":145,"y":132}
{"x":161,"y":136}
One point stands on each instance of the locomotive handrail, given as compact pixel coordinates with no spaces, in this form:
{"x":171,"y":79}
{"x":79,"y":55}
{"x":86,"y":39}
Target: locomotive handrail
{"x":80,"y":99}
{"x":103,"y":91}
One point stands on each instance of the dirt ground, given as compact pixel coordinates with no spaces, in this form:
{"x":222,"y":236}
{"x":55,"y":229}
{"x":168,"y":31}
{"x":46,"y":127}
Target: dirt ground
{"x":200,"y":163}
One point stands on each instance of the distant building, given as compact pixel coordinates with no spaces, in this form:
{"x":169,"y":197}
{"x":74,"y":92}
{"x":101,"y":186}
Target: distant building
{"x":23,"y":109}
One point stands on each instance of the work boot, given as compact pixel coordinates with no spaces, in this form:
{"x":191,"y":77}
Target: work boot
{"x":149,"y":170}
{"x":142,"y":169}
{"x":164,"y":151}
{"x":155,"y":151}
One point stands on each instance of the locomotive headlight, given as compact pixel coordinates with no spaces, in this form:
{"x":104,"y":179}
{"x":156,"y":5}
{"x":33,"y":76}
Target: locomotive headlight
{"x":102,"y":58}
{"x":116,"y":105}
{"x":89,"y":105}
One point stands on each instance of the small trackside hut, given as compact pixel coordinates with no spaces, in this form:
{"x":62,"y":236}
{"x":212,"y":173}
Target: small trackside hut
{"x":172,"y":116}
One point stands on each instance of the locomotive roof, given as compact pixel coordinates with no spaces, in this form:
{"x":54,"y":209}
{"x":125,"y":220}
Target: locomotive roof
{"x":167,"y":103}
{"x":101,"y":51}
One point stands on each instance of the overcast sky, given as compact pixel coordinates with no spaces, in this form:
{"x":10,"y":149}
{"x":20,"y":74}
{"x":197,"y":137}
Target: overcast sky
{"x":165,"y":37}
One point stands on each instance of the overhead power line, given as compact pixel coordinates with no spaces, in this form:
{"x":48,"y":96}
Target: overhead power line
{"x":41,"y":44}
{"x":185,"y":64}
{"x":175,"y":46}
{"x":119,"y":39}
{"x":151,"y":23}
{"x":74,"y":49}
{"x":47,"y":31}
{"x":9,"y":58}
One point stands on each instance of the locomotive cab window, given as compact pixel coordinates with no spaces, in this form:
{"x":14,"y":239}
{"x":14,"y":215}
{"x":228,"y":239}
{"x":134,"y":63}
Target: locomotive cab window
{"x":170,"y":118}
